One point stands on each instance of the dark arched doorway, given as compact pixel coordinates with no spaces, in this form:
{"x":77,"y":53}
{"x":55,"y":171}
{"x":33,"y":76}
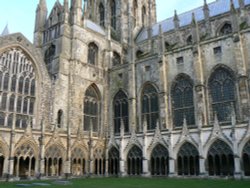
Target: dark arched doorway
{"x":134,"y":161}
{"x":159,"y":161}
{"x":220,"y":159}
{"x":113,"y":161}
{"x":246,"y":159}
{"x":188,"y":160}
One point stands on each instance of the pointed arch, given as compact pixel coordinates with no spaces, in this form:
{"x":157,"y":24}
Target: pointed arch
{"x":225,"y":28}
{"x":159,"y":161}
{"x":150,"y":106}
{"x":246,"y":158}
{"x":101,"y":15}
{"x":188,"y":160}
{"x":114,"y":159}
{"x":121,"y":112}
{"x":93,"y":54}
{"x":91,"y":113}
{"x":78,"y":160}
{"x":134,"y":161}
{"x":183,"y":100}
{"x":220,"y":159}
{"x":222,"y":91}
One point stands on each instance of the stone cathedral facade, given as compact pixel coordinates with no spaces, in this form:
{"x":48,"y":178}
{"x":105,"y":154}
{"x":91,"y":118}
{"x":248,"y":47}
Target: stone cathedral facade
{"x":105,"y":90}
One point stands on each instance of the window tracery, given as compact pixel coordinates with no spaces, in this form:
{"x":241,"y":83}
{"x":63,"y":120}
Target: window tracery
{"x":113,"y":14}
{"x":150,"y":106}
{"x":222,"y":91}
{"x":92,"y":54}
{"x":102,"y":15}
{"x":183,"y":102}
{"x":91,"y":110}
{"x":17,"y":98}
{"x":121,"y":113}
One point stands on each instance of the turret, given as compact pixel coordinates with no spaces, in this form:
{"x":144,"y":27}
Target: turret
{"x":76,"y":12}
{"x":41,"y":15}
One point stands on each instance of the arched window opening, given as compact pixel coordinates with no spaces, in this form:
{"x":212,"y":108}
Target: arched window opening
{"x":102,"y":15}
{"x":113,"y":14}
{"x":188,"y":160}
{"x":78,"y":162}
{"x":144,"y":15}
{"x":183,"y":101}
{"x":246,"y":159}
{"x":59,"y":118}
{"x":226,"y":29}
{"x":99,"y":165}
{"x":20,"y":85}
{"x":222,"y":91}
{"x":92,"y":54}
{"x":13,"y":84}
{"x":4,"y":102}
{"x":190,"y":40}
{"x":2,"y":119}
{"x":6,"y":82}
{"x":220,"y":159}
{"x":91,"y":110}
{"x":49,"y":56}
{"x":116,"y":59}
{"x":134,"y":161}
{"x":150,"y":106}
{"x":121,"y":113}
{"x":159,"y":161}
{"x":114,"y":159}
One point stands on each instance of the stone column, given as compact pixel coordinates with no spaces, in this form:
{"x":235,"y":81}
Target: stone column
{"x":237,"y":169}
{"x":172,"y":169}
{"x":144,"y":151}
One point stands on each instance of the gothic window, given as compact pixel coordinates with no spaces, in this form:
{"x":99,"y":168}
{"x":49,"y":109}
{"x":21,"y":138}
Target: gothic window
{"x":2,"y":119}
{"x":188,"y":160}
{"x":10,"y":120}
{"x":220,"y":159}
{"x":143,"y":16}
{"x":93,"y":54}
{"x":6,"y":82}
{"x":49,"y":56}
{"x":113,"y":14}
{"x":1,"y":80}
{"x":120,"y":104}
{"x":13,"y":84}
{"x":102,"y":15}
{"x":150,"y":106}
{"x":33,"y":87}
{"x":59,"y":118}
{"x":16,"y":101}
{"x":4,"y":102}
{"x":26,"y":86}
{"x":159,"y":161}
{"x":114,"y":159}
{"x":20,"y":85}
{"x":226,"y":29}
{"x":91,"y":110}
{"x":183,"y":101}
{"x":246,"y":159}
{"x":11,"y":103}
{"x":134,"y":161}
{"x":222,"y":91}
{"x":135,"y":9}
{"x":116,"y":59}
{"x":190,"y":40}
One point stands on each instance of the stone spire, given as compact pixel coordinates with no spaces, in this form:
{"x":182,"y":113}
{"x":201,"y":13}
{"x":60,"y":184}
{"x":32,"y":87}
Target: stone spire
{"x":206,"y":10}
{"x":176,"y":20}
{"x":5,"y":31}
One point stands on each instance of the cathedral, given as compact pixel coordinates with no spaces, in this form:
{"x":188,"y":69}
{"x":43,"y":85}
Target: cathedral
{"x":106,"y":90}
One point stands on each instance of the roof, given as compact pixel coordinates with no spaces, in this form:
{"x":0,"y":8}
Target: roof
{"x":95,"y":27}
{"x":215,"y":8}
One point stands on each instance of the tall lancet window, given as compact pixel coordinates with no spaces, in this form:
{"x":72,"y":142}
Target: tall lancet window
{"x":92,"y":54}
{"x":113,"y":14}
{"x":91,"y":109}
{"x":222,"y":91}
{"x":102,"y":15}
{"x":150,"y":106}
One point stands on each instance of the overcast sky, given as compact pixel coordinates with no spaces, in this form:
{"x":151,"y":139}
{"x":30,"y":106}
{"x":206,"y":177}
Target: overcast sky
{"x":20,"y":14}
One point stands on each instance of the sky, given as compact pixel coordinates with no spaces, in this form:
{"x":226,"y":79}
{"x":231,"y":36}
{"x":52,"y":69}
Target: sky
{"x":20,"y":14}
